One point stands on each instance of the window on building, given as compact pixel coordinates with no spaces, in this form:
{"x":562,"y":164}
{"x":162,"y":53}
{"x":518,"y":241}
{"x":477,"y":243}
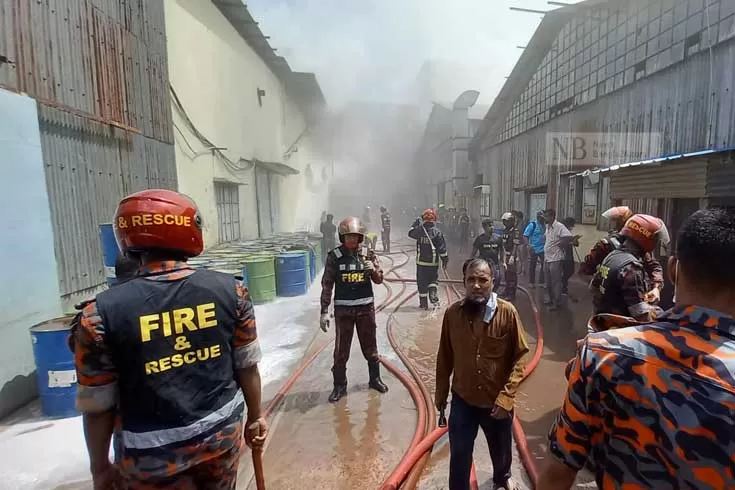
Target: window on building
{"x":228,"y":211}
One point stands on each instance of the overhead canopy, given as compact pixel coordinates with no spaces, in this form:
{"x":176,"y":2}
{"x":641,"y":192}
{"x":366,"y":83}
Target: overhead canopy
{"x":275,"y":167}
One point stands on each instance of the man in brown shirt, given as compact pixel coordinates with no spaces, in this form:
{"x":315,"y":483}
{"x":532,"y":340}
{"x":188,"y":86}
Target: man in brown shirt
{"x":483,"y":345}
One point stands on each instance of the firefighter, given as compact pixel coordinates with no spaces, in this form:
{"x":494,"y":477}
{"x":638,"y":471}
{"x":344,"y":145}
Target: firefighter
{"x":490,"y":248}
{"x":621,"y":284}
{"x":174,"y":352}
{"x":351,"y":272}
{"x":328,"y":230}
{"x":617,"y":216}
{"x":511,"y":244}
{"x":385,"y":224}
{"x":430,"y":249}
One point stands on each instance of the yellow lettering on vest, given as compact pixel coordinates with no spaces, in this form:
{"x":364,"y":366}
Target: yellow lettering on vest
{"x":177,"y":360}
{"x":148,"y":323}
{"x":206,"y":316}
{"x":147,"y":219}
{"x":164,"y":364}
{"x":215,"y":351}
{"x":137,"y":221}
{"x":190,"y":358}
{"x":166,"y":324}
{"x":151,"y":367}
{"x":169,"y":219}
{"x":203,"y":354}
{"x":183,"y":318}
{"x":157,"y":219}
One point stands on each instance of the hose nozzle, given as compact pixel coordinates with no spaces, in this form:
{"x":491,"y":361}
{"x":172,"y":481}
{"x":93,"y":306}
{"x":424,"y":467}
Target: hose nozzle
{"x":442,"y":419}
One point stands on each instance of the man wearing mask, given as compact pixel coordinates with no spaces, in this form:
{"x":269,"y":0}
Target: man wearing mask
{"x":431,"y":248}
{"x":481,"y":348}
{"x":328,"y":230}
{"x":644,"y":400}
{"x":617,"y":216}
{"x":350,"y":273}
{"x":490,"y":248}
{"x":535,"y":237}
{"x":621,"y":283}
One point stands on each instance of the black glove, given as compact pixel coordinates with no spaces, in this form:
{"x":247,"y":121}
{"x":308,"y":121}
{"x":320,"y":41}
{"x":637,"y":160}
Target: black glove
{"x":445,"y":261}
{"x":416,"y":223}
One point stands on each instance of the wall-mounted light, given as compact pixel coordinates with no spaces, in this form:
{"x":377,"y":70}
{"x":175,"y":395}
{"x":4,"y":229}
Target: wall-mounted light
{"x":261,"y":94}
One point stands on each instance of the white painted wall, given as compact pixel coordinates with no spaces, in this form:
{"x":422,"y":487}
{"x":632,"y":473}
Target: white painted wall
{"x":216,"y":75}
{"x":29,"y":284}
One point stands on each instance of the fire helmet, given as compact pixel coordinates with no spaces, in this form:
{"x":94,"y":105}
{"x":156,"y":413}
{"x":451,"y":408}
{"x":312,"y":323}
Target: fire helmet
{"x":621,"y":214}
{"x":646,"y":231}
{"x":429,"y":215}
{"x":351,"y":225}
{"x":159,"y":219}
{"x":383,"y":209}
{"x":508,"y":218}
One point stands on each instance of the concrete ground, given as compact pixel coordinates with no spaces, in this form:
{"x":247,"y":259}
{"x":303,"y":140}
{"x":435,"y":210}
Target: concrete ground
{"x":355,"y":443}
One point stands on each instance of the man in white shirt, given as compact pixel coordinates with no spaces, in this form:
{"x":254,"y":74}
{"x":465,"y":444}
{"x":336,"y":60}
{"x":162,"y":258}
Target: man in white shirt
{"x":557,"y":237}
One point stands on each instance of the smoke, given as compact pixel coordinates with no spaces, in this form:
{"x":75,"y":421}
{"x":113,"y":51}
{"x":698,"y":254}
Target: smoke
{"x":373,"y":50}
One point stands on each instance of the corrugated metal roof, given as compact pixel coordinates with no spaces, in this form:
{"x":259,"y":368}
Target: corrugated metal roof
{"x":100,"y":58}
{"x":90,"y":166}
{"x":680,"y":180}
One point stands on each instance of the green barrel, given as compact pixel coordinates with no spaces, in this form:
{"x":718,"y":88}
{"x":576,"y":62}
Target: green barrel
{"x":261,"y":278}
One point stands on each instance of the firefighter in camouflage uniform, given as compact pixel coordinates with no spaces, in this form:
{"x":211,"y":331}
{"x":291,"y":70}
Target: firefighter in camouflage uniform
{"x":350,"y":272}
{"x":621,"y":284}
{"x":617,"y":217}
{"x":385,"y":231}
{"x":431,"y":248}
{"x":174,"y":353}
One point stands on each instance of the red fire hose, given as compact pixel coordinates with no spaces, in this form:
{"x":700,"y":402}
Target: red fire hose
{"x":413,"y":456}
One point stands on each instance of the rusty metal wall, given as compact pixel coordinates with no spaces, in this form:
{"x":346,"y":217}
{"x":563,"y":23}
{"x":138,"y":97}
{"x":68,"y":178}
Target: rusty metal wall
{"x":105,"y":59}
{"x":90,"y":166}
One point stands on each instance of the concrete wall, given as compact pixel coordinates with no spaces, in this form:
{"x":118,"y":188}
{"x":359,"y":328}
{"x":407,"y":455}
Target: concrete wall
{"x":29,"y":289}
{"x":216,"y":75}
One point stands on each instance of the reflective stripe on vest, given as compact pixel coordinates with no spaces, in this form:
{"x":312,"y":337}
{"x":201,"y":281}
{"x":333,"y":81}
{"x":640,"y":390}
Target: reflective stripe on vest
{"x":158,"y":438}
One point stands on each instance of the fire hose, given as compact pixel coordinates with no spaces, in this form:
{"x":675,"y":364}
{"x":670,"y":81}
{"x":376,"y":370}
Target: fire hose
{"x":414,"y":456}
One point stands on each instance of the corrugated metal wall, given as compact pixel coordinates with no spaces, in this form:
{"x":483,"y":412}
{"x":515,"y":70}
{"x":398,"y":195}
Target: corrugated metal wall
{"x":98,"y":69}
{"x":685,"y":179}
{"x":721,"y":177}
{"x":104,"y":58}
{"x":89,"y":167}
{"x":672,"y":103}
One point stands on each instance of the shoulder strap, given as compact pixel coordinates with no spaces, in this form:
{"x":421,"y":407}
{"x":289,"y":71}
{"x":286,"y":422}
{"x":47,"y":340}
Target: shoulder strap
{"x":337,"y":253}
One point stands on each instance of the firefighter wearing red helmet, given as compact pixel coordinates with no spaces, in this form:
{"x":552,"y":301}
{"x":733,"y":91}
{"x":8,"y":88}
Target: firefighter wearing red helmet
{"x":173,"y":352}
{"x":621,"y":284}
{"x":431,"y":248}
{"x":350,"y":271}
{"x":617,"y":217}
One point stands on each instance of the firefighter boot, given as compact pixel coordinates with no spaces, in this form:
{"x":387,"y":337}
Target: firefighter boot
{"x":340,"y":385}
{"x":434,"y":296}
{"x":375,"y":382}
{"x":423,"y":302}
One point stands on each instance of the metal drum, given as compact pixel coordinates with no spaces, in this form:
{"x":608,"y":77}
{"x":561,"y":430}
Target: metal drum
{"x":291,"y":274}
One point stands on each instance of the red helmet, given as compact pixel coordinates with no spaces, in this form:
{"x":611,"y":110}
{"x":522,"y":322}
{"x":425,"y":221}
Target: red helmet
{"x":350,"y":226}
{"x":159,"y":219}
{"x":646,"y":231}
{"x":620,"y":214}
{"x":429,"y":215}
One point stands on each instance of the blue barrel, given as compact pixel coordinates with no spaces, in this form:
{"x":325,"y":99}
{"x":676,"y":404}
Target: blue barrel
{"x":291,"y":274}
{"x":245,"y":275}
{"x":110,"y":251}
{"x":312,"y":264}
{"x":55,"y":373}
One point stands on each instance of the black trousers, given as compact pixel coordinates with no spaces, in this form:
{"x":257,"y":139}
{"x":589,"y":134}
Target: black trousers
{"x":536,"y":258}
{"x":385,"y":237}
{"x":427,"y":277}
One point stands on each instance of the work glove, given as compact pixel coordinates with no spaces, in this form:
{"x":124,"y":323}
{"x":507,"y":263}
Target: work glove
{"x":255,"y":433}
{"x":369,"y":265}
{"x":653,"y":296}
{"x":416,"y":223}
{"x":445,"y":262}
{"x":324,"y":322}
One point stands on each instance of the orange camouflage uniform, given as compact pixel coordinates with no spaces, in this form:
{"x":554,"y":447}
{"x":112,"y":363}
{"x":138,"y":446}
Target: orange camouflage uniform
{"x":208,"y":463}
{"x":652,"y":405}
